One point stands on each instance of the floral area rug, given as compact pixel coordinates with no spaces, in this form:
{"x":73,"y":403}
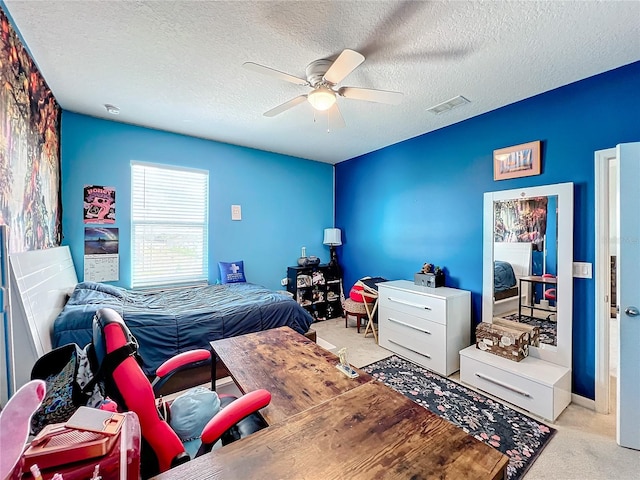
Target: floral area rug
{"x":518,"y":436}
{"x":548,"y":328}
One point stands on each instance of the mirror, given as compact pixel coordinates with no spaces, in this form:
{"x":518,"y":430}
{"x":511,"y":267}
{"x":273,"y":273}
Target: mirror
{"x":525,"y":262}
{"x":528,"y":258}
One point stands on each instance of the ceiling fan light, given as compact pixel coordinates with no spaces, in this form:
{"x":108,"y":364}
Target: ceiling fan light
{"x":322,"y":98}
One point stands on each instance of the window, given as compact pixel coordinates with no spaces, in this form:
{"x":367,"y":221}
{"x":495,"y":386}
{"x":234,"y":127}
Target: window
{"x":168,"y":225}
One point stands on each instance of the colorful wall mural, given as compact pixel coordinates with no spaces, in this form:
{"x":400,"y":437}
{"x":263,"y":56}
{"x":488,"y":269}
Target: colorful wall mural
{"x":29,"y":149}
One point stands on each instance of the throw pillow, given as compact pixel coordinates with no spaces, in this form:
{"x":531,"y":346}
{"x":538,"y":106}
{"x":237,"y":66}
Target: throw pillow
{"x":356,"y":295}
{"x":232,"y":272}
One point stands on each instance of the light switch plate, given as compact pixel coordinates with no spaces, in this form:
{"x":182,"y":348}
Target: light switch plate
{"x":582,"y":270}
{"x":236,"y":212}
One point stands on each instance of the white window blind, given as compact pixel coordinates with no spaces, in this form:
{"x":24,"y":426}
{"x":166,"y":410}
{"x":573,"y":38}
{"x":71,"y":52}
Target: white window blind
{"x":168,"y":225}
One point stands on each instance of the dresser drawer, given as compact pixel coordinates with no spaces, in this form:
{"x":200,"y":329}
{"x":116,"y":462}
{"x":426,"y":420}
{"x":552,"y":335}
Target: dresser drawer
{"x":518,"y":390}
{"x":416,"y":325}
{"x":425,"y":346}
{"x":422,"y":306}
{"x":417,"y":332}
{"x":432,"y":360}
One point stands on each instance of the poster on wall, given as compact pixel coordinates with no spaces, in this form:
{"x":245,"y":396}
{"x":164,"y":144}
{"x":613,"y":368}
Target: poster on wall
{"x":99,"y":204}
{"x":29,"y":149}
{"x":101,"y":256}
{"x":523,"y":220}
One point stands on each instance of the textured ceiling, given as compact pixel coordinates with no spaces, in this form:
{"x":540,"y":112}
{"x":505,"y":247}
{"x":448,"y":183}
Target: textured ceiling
{"x":177,"y":65}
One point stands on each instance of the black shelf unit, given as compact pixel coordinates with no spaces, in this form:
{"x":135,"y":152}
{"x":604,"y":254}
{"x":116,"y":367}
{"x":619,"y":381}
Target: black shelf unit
{"x":317,"y":288}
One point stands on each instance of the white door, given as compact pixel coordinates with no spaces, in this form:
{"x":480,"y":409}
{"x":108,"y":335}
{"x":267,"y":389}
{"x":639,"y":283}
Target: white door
{"x":628,"y":281}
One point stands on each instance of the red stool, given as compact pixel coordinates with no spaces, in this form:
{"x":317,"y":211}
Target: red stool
{"x":550,"y":293}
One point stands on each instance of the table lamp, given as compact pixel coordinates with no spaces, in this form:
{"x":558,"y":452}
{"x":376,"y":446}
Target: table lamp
{"x":333,"y":238}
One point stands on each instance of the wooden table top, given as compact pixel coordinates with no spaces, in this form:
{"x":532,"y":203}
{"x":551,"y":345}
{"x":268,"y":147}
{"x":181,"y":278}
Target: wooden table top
{"x":367,"y":432}
{"x":540,"y":279}
{"x":298,"y":373}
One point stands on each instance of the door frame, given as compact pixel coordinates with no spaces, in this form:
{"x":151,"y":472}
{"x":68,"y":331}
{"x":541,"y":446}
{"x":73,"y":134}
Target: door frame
{"x":603,"y":278}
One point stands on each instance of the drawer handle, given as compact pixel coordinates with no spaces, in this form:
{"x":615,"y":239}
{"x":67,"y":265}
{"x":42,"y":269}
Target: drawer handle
{"x":411,"y":304}
{"x":504,"y":385}
{"x":410,"y":326}
{"x":410,"y":349}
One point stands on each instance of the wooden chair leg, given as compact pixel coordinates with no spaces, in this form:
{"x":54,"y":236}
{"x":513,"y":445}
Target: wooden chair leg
{"x":361,"y":319}
{"x":370,"y":314}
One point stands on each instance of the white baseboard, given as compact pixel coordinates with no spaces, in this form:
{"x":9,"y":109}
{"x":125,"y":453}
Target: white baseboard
{"x":324,"y":344}
{"x":583,"y":401}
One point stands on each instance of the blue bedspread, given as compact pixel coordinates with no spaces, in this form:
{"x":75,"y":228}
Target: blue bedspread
{"x":503,"y":276}
{"x":174,"y":321}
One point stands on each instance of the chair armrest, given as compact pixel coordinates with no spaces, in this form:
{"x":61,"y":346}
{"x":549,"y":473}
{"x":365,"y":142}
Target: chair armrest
{"x":233,"y":413}
{"x":184,"y":359}
{"x":177,"y":363}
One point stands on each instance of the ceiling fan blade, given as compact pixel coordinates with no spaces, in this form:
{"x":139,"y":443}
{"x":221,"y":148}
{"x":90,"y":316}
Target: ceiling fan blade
{"x":346,"y":63}
{"x":274,"y":73}
{"x":285,"y":106}
{"x":334,"y":118}
{"x":371,"y":95}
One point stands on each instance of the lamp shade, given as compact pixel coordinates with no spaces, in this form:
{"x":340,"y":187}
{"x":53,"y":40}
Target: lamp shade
{"x":322,"y":98}
{"x":332,"y":236}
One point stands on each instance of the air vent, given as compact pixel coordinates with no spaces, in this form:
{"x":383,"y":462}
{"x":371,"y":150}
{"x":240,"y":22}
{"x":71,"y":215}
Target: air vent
{"x":448,"y":105}
{"x":112,"y":109}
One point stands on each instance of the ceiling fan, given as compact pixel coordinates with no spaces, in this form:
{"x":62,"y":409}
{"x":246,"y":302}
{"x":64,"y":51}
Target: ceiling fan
{"x":323,"y":76}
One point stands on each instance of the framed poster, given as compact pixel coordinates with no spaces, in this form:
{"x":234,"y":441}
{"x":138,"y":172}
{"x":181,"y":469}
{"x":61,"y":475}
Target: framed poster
{"x":518,"y":161}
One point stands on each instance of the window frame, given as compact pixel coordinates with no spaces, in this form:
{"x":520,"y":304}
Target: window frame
{"x":172,"y":265}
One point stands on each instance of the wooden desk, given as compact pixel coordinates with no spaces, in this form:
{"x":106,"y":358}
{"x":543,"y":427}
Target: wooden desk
{"x":367,"y":432}
{"x":535,"y":279}
{"x":298,"y":373}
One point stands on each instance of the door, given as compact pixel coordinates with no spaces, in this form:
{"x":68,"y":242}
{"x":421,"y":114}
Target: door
{"x":628,"y":281}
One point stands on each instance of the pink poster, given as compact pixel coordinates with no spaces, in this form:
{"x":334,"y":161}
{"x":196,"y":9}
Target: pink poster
{"x":99,"y":204}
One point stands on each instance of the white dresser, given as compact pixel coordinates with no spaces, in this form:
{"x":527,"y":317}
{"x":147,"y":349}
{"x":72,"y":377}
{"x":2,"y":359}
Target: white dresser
{"x":428,"y":326}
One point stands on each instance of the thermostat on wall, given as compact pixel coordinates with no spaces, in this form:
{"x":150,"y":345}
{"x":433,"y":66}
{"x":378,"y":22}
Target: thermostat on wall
{"x":236,"y":212}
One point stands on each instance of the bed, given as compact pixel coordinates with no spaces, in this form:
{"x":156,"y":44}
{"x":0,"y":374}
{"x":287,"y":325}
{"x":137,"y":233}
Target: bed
{"x":505,"y":284}
{"x":164,"y":322}
{"x":168,"y":322}
{"x":511,"y":262}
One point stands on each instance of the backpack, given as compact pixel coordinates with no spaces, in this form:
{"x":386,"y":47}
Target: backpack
{"x":72,"y":380}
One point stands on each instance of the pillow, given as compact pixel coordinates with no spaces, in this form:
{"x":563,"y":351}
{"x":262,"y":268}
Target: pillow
{"x":232,"y":272}
{"x":356,"y":295}
{"x":190,"y":413}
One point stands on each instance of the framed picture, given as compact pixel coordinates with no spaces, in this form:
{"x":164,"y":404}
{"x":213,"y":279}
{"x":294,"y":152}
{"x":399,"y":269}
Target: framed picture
{"x":519,"y":161}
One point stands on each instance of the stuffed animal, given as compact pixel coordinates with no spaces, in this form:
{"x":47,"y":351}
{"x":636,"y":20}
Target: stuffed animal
{"x":427,"y":268}
{"x":430,"y":268}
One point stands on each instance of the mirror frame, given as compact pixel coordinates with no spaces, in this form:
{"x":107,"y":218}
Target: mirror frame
{"x":561,"y":353}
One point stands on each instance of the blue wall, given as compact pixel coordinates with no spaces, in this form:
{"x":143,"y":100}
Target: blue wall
{"x":286,"y":202}
{"x":421,"y":200}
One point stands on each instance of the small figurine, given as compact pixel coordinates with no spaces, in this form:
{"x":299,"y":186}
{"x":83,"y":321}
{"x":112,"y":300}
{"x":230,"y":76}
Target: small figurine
{"x":342,"y":355}
{"x":344,"y":366}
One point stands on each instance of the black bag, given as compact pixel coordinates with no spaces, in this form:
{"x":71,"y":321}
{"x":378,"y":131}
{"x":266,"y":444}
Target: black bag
{"x":71,"y":381}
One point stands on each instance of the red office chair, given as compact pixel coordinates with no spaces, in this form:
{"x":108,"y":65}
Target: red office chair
{"x":550,"y":294}
{"x":115,"y":351}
